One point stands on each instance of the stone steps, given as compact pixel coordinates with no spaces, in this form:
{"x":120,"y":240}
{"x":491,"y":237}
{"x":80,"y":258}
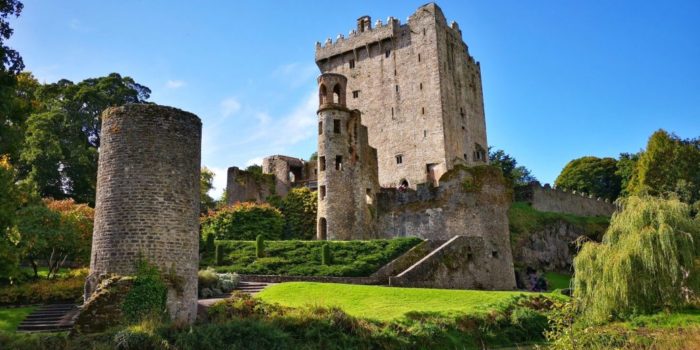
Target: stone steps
{"x":50,"y":318}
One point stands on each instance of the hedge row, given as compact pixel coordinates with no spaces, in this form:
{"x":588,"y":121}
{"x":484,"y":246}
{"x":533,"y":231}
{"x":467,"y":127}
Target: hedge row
{"x":303,"y":258}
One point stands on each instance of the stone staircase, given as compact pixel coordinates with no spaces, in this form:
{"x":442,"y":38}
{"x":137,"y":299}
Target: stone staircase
{"x":50,"y":318}
{"x":251,"y":288}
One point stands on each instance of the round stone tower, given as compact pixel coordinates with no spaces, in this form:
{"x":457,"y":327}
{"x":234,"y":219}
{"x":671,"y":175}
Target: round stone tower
{"x":147,"y":204}
{"x":336,"y":209}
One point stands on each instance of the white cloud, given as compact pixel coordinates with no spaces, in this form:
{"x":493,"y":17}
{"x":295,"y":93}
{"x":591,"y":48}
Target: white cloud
{"x":299,"y":125}
{"x":230,"y":106}
{"x":174,"y":84}
{"x":219,"y":181}
{"x":296,"y":74}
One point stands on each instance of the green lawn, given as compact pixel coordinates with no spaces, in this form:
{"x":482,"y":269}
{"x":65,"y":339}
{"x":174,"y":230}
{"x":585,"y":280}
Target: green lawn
{"x":557,"y":280}
{"x":385,"y":303}
{"x":44,"y":271}
{"x":10,"y":318}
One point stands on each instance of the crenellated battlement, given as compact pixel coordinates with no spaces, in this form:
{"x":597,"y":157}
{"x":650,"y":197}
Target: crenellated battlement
{"x":548,"y":198}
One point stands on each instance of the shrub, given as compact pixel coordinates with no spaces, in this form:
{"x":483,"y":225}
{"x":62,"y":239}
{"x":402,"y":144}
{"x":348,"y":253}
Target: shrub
{"x":219,"y":256}
{"x":244,"y":221}
{"x":259,"y":247}
{"x":303,"y":258}
{"x":299,"y":209}
{"x":147,"y":297}
{"x":69,"y":289}
{"x":326,"y":254}
{"x":211,"y":283}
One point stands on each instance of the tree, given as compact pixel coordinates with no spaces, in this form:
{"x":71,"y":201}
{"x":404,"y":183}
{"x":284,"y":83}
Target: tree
{"x":206,"y":183}
{"x":11,"y":64}
{"x":668,"y":165}
{"x":9,"y":202}
{"x":78,"y":218}
{"x":516,"y":175}
{"x":626,"y":165}
{"x":59,"y":154}
{"x":593,"y":175}
{"x":645,"y":263}
{"x":244,"y":221}
{"x":299,"y":209}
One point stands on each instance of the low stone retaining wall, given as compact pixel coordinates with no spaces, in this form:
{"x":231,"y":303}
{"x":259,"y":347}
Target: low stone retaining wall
{"x":324,"y":279}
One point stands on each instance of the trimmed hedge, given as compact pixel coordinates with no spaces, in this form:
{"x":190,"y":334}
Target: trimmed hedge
{"x":303,"y":258}
{"x":244,"y":221}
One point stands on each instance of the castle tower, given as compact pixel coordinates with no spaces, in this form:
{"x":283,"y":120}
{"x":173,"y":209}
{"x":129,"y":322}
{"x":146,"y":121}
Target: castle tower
{"x":147,"y":203}
{"x":347,"y":167}
{"x":419,"y":91}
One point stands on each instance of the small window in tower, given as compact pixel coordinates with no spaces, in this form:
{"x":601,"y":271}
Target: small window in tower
{"x":315,"y":171}
{"x":336,"y":126}
{"x":368,"y":196}
{"x":420,"y":86}
{"x":394,"y":72}
{"x":425,"y":133}
{"x":338,"y":162}
{"x":356,"y":94}
{"x":418,"y":57}
{"x":423,"y":31}
{"x":397,"y":88}
{"x":352,"y":64}
{"x":465,"y":156}
{"x":320,"y":127}
{"x":392,"y":111}
{"x":387,"y":53}
{"x":463,"y":128}
{"x":322,"y":163}
{"x":322,"y":192}
{"x":422,"y":110}
{"x":399,"y":159}
{"x":494,"y":254}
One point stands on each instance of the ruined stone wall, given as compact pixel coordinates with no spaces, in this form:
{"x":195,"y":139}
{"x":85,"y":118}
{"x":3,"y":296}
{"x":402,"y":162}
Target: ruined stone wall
{"x":148,"y":198}
{"x":463,"y":262}
{"x":545,"y":198}
{"x":287,"y":171}
{"x":347,"y":170}
{"x":243,"y":186}
{"x":419,"y":92}
{"x":470,"y":202}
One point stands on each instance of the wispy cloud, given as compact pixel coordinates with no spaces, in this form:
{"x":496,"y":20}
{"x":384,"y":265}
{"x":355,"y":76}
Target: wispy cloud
{"x":174,"y":84}
{"x":296,"y":74}
{"x":230,"y":106}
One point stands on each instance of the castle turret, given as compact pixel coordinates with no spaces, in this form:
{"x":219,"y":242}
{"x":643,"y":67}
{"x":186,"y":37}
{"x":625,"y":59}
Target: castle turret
{"x":347,"y":166}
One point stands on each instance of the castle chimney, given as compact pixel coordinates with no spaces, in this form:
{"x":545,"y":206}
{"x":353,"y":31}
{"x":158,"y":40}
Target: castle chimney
{"x":364,"y":23}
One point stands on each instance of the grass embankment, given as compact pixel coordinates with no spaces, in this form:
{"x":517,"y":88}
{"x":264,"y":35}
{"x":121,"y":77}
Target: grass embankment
{"x":10,"y":318}
{"x":386,"y":303}
{"x":557,"y":280}
{"x":303,"y":258}
{"x":523,"y":219}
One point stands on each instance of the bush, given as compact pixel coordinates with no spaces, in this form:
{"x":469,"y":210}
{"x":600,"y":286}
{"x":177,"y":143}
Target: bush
{"x":147,"y":297}
{"x":303,"y":258}
{"x":299,"y":208}
{"x":211,"y":283}
{"x":326,"y":254}
{"x":259,"y":247}
{"x":244,"y":221}
{"x":43,"y":291}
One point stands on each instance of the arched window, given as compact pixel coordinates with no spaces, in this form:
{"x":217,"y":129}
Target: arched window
{"x":322,"y":94}
{"x":336,"y":93}
{"x":322,"y":229}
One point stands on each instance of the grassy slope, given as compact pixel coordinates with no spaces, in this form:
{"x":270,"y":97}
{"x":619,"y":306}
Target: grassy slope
{"x":11,"y":318}
{"x":384,"y":303}
{"x":557,"y":280}
{"x":523,"y":219}
{"x":303,"y":258}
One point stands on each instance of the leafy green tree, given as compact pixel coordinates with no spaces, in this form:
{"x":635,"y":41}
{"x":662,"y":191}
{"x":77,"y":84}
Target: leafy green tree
{"x":9,"y":202}
{"x":59,"y":155}
{"x":299,"y":209}
{"x":206,"y":183}
{"x":593,"y":175}
{"x":626,"y":165}
{"x":11,"y":65}
{"x":516,"y":175}
{"x":668,"y":165}
{"x":44,"y":240}
{"x":646,"y":262}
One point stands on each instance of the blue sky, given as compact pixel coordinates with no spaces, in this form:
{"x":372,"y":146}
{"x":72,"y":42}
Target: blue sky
{"x":561,"y":79}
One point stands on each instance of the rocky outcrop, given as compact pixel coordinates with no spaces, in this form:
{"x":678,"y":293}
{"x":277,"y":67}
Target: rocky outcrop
{"x":103,"y":309}
{"x":552,"y":248}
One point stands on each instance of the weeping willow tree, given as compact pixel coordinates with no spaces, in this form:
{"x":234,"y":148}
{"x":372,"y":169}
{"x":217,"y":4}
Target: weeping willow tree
{"x":649,"y":260}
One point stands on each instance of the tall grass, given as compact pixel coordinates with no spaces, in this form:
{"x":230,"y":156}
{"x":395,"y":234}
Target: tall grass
{"x":648,"y":261}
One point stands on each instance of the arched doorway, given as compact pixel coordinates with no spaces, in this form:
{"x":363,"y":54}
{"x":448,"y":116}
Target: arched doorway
{"x":322,"y":229}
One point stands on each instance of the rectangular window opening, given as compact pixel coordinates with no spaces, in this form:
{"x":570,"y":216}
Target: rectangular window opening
{"x":320,"y":128}
{"x":494,"y":254}
{"x":322,"y":192}
{"x":356,"y":94}
{"x":387,"y":53}
{"x":338,"y":162}
{"x":420,"y":86}
{"x":397,"y":88}
{"x":425,"y":133}
{"x":352,"y":64}
{"x":336,"y":126}
{"x":322,"y":163}
{"x":418,"y":57}
{"x":422,"y":110}
{"x":399,"y":159}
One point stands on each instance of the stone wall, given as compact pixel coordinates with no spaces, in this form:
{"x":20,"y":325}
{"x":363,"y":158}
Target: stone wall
{"x":419,"y":92}
{"x":148,"y":198}
{"x":545,"y":198}
{"x":463,"y":262}
{"x":470,"y":202}
{"x":244,"y":186}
